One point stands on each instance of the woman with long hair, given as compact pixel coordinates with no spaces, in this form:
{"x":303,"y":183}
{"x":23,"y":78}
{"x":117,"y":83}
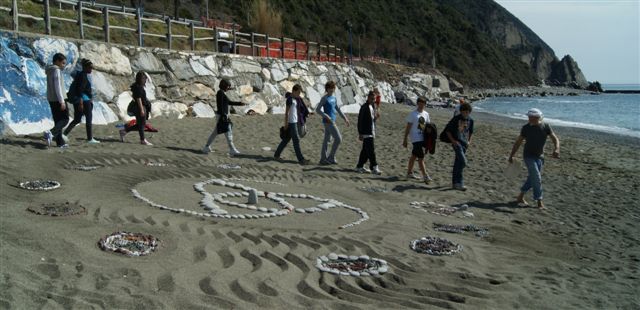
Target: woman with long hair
{"x":223,"y":124}
{"x":140,"y":107}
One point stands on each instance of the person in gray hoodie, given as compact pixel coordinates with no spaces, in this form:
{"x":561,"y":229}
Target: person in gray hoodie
{"x":55,"y":91}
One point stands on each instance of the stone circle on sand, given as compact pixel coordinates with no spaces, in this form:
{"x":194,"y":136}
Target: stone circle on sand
{"x":155,"y":164}
{"x":130,"y":244}
{"x":435,"y":246}
{"x":345,"y":265}
{"x":229,"y":166}
{"x":458,"y":229}
{"x":210,"y":203}
{"x":40,"y":185}
{"x":440,"y":209}
{"x":84,"y":167}
{"x":58,"y":209}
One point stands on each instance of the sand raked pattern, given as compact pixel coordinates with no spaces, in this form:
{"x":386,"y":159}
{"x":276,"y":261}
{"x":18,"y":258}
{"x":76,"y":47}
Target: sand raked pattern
{"x":130,"y":244}
{"x":345,"y":265}
{"x":458,"y":229}
{"x":40,"y":185}
{"x":440,"y":209}
{"x":58,"y":209}
{"x":435,"y":246}
{"x":210,"y":202}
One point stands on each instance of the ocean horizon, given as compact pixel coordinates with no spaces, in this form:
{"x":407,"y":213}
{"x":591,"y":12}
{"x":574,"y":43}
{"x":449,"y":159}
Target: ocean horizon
{"x":620,"y":86}
{"x":612,"y":113}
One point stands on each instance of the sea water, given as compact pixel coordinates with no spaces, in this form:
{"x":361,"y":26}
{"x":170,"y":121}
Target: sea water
{"x":613,"y":113}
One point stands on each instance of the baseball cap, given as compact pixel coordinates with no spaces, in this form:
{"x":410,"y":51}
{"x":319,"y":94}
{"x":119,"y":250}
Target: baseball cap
{"x":533,"y":112}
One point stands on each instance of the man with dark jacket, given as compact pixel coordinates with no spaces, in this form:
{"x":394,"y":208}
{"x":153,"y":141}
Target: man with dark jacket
{"x":459,"y":130}
{"x":81,"y":95}
{"x":367,"y":131}
{"x":55,"y":96}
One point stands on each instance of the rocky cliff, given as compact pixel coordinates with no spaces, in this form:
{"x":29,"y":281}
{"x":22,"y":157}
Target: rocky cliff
{"x":180,"y":84}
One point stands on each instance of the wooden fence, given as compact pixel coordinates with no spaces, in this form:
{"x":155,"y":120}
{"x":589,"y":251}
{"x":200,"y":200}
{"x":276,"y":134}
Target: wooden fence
{"x":220,"y":39}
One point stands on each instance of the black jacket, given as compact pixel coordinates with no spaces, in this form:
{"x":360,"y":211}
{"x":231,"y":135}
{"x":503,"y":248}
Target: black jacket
{"x":223,"y":103}
{"x":80,"y":85}
{"x":365,"y":121}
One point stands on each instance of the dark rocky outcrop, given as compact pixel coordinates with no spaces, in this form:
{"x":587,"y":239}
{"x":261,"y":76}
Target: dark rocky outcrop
{"x":567,"y":73}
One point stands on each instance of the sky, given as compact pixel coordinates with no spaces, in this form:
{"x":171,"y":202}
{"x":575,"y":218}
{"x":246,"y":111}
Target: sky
{"x":603,"y":36}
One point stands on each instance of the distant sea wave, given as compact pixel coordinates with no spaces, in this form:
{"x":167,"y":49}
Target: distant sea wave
{"x":621,"y":86}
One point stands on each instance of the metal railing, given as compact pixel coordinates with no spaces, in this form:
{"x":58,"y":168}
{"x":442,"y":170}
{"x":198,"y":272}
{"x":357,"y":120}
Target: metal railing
{"x":221,"y":39}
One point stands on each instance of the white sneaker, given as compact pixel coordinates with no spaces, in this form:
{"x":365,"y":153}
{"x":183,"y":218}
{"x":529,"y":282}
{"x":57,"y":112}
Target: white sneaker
{"x":376,"y":170}
{"x":64,"y":146}
{"x":65,"y":138}
{"x":362,"y":170}
{"x":413,"y":175}
{"x":48,"y":138}
{"x":145,"y":142}
{"x":206,"y":150}
{"x":234,"y":152}
{"x":93,"y":141}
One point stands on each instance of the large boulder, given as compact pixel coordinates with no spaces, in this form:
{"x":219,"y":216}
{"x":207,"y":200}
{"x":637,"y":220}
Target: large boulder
{"x":199,"y":68}
{"x":175,"y":110}
{"x":199,"y":91}
{"x":272,"y":95}
{"x":106,"y":58}
{"x":203,"y":110}
{"x":122,"y":103}
{"x":181,"y":68}
{"x":567,"y":73}
{"x":146,"y":61}
{"x":254,"y":105}
{"x":45,"y":48}
{"x":245,"y":65}
{"x":102,"y":86}
{"x":313,"y":96}
{"x":210,"y":63}
{"x":278,"y":72}
{"x":102,"y":114}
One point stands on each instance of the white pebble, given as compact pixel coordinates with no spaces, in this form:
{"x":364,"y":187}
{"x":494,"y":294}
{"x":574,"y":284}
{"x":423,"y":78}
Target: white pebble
{"x":333,"y":256}
{"x":354,"y":273}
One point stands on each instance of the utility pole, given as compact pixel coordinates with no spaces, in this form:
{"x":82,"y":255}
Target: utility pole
{"x":207,"y":6}
{"x":350,"y":44}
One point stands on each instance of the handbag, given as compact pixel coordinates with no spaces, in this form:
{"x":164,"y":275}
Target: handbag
{"x":131,"y":108}
{"x":302,"y":130}
{"x":284,"y":134}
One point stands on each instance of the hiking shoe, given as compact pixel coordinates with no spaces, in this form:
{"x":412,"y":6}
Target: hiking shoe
{"x":234,"y":152}
{"x":122,"y":134}
{"x":93,"y":141}
{"x":427,"y":179}
{"x":362,"y":170}
{"x":145,"y":142}
{"x":65,"y":138}
{"x":48,"y":138}
{"x":459,"y":187}
{"x":332,"y":162}
{"x":304,"y":162}
{"x":206,"y":150}
{"x":64,"y":146}
{"x":413,"y":175}
{"x":324,"y":163}
{"x":375,"y":170}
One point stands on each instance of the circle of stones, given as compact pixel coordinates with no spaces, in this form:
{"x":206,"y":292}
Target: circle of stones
{"x":130,"y":244}
{"x":439,"y":209}
{"x":358,"y":266}
{"x":155,"y":164}
{"x":208,"y":202}
{"x":56,"y":209}
{"x":458,"y":229}
{"x":40,"y":185}
{"x":229,"y":166}
{"x":84,"y":167}
{"x":435,"y":246}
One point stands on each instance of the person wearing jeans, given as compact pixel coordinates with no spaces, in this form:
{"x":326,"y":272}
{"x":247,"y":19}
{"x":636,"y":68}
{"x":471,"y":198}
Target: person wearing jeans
{"x":81,"y":95}
{"x":55,"y":91}
{"x":535,"y":132}
{"x":328,"y":108}
{"x":459,"y":131}
{"x":292,"y":117}
{"x":223,"y":125}
{"x":367,"y":131}
{"x":141,"y":108}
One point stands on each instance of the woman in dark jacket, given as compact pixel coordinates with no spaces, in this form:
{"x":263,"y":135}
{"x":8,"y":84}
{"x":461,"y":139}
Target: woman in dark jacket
{"x":81,"y":95}
{"x":140,"y":107}
{"x":367,"y":132}
{"x":223,"y":124}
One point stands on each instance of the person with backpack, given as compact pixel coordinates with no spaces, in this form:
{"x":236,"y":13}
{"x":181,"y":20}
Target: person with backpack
{"x":59,"y":110}
{"x":367,"y":117}
{"x":81,"y":96}
{"x":535,"y":132}
{"x":223,"y":124}
{"x":458,"y":132}
{"x":327,"y":108}
{"x":295,"y":115}
{"x":417,"y":121}
{"x":140,"y":107}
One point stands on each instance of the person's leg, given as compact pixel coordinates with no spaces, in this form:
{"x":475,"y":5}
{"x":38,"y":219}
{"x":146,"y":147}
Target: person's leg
{"x":77,"y":117}
{"x":337,"y":139}
{"x":423,"y":170}
{"x":283,"y":144}
{"x":458,"y":165}
{"x":373,"y":163}
{"x":60,"y":119}
{"x":530,"y":165}
{"x":140,"y":122}
{"x":536,"y":180}
{"x":293,"y":131}
{"x":88,"y":118}
{"x":325,"y":142}
{"x":412,"y":160}
{"x":363,"y":155}
{"x":232,"y":147}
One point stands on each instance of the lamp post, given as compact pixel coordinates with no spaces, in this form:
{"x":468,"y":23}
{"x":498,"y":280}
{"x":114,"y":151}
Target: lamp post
{"x":350,"y":44}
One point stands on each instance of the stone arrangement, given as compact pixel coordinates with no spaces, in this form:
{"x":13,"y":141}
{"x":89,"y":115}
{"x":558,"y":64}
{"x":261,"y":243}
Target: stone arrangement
{"x":435,"y":246}
{"x":358,"y":266}
{"x":210,"y":203}
{"x":58,"y":209}
{"x":40,"y":185}
{"x":155,"y":164}
{"x":440,"y":209}
{"x":229,"y":166}
{"x":84,"y":167}
{"x":130,"y":244}
{"x":373,"y":189}
{"x":458,"y":229}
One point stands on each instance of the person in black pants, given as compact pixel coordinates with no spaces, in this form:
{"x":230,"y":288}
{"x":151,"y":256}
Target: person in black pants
{"x":140,"y":107}
{"x":223,"y":125}
{"x":81,"y":94}
{"x":367,"y":132}
{"x":55,"y":91}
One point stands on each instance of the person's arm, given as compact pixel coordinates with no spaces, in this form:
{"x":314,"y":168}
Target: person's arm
{"x":320,"y":111}
{"x":556,"y":145}
{"x":515,"y":148}
{"x":406,"y":134}
{"x":470,"y":132}
{"x":57,"y":77}
{"x":286,"y":116}
{"x":344,"y":116}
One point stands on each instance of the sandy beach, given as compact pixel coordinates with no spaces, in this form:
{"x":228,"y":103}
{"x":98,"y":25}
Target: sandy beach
{"x":583,"y":252}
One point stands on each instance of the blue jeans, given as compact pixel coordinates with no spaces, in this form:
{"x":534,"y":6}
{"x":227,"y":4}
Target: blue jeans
{"x":293,"y":135}
{"x":330,"y":130}
{"x":459,"y":163}
{"x":534,"y":180}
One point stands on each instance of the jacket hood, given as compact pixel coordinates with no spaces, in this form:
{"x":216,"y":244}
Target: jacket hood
{"x":52,"y":68}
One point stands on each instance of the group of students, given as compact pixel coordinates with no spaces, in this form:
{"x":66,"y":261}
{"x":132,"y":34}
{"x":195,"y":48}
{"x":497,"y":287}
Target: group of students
{"x":419,"y":128}
{"x":80,"y":95}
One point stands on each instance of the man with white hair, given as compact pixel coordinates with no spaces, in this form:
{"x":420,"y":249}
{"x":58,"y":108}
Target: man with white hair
{"x":535,"y":133}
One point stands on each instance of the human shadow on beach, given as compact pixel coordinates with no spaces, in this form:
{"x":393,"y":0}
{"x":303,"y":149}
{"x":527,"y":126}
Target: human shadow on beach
{"x":403,"y":188}
{"x":504,"y":207}
{"x":328,"y":169}
{"x":33,"y":142}
{"x":181,"y":149}
{"x":262,"y":159}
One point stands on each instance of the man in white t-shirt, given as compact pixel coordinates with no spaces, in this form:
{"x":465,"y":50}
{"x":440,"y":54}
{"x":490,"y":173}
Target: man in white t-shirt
{"x":416,"y":121}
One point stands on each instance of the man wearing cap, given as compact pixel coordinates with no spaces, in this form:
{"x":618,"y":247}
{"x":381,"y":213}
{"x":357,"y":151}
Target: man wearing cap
{"x":535,"y":133}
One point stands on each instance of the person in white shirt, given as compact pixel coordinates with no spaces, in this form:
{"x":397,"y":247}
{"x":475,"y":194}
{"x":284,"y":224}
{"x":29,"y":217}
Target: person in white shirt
{"x":416,"y":121}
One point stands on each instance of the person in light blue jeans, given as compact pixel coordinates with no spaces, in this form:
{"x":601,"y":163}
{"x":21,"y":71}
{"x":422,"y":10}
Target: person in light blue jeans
{"x":328,"y":108}
{"x":460,"y":130}
{"x":535,"y":133}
